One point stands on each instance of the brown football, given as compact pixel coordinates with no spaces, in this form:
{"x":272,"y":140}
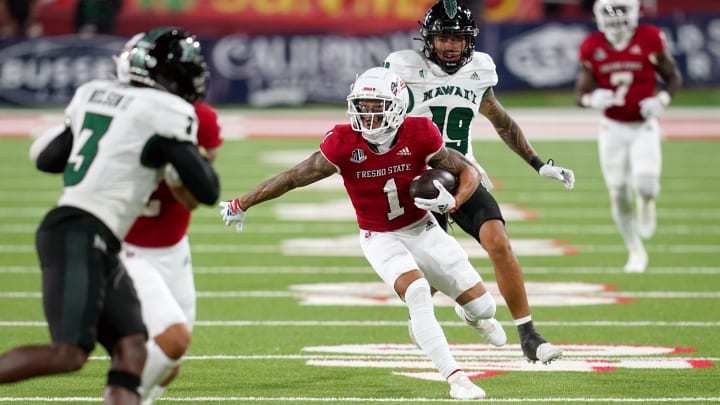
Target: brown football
{"x":422,"y":186}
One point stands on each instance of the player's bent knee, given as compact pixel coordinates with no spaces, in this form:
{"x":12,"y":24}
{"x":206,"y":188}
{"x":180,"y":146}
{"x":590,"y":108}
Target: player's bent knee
{"x":418,"y":291}
{"x":70,"y":357}
{"x":483,"y":307}
{"x":174,"y":341}
{"x":647,"y":187}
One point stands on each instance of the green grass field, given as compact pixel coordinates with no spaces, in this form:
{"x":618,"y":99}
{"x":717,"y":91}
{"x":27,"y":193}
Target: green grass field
{"x":285,"y":319}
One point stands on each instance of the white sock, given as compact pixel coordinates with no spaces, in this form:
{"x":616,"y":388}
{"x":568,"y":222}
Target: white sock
{"x":157,"y":367}
{"x":523,"y":320}
{"x":426,"y":329}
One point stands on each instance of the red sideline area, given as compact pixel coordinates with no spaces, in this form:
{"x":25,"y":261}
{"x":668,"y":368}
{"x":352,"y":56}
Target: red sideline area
{"x":546,"y":123}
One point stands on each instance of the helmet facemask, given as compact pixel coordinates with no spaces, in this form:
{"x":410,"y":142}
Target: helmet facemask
{"x":617,"y":19}
{"x":377,"y":105}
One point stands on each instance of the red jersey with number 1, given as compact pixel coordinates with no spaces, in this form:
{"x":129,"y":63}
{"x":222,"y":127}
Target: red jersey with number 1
{"x":628,"y":72}
{"x":379,"y":184}
{"x":165,"y":221}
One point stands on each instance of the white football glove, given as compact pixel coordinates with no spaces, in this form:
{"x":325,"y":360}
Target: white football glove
{"x":600,"y":99}
{"x":443,"y":203}
{"x":233,"y":212}
{"x":652,"y":107}
{"x":551,"y":171}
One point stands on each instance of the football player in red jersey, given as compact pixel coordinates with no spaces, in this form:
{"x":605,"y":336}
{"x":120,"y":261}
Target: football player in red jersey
{"x":452,"y":84}
{"x":378,"y":154}
{"x":618,"y":74}
{"x":156,"y":253}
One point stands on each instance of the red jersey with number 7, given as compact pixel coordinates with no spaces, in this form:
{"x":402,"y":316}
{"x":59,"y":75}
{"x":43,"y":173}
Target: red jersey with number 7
{"x":629,"y":72}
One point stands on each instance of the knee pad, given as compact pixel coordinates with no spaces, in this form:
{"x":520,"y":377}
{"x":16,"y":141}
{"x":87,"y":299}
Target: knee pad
{"x":647,"y":187}
{"x":123,"y":379}
{"x":480,"y":308}
{"x":417,"y":291}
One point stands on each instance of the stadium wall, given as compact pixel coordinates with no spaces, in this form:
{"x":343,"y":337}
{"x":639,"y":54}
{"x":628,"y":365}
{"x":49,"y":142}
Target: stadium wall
{"x":262,"y":69}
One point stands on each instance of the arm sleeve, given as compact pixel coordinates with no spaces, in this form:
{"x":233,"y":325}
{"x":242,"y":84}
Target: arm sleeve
{"x":51,"y":150}
{"x":196,"y":173}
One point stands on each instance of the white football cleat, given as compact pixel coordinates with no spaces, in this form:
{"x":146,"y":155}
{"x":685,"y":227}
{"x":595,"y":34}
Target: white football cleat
{"x":462,"y":388}
{"x":637,"y":261}
{"x":647,"y":219}
{"x":547,"y":352}
{"x":489,"y":329}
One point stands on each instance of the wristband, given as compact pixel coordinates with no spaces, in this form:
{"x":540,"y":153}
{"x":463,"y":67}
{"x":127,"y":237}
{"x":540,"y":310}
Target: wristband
{"x":537,"y":163}
{"x":664,"y":97}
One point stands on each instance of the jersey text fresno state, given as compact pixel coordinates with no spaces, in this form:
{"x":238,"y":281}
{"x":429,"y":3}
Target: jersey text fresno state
{"x":378,"y":184}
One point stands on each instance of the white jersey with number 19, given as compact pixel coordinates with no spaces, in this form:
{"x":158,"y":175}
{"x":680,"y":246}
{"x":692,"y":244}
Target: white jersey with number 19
{"x":451,"y":101}
{"x":112,"y":124}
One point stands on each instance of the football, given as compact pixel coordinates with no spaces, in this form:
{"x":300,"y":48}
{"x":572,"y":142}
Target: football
{"x":422,"y":186}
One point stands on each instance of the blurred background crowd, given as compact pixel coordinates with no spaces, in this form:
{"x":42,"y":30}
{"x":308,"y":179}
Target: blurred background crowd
{"x":294,"y":52}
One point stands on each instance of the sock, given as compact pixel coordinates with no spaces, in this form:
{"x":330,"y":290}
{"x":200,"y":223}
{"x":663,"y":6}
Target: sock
{"x":157,"y":367}
{"x":426,"y":329}
{"x":524,"y":319}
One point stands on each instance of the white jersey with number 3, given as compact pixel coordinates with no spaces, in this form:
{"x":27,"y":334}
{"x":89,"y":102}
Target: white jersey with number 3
{"x":111,"y":125}
{"x":451,"y":101}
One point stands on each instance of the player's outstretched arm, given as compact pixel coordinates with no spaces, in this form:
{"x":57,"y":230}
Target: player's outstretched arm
{"x":506,"y":127}
{"x":310,"y":170}
{"x":510,"y":132}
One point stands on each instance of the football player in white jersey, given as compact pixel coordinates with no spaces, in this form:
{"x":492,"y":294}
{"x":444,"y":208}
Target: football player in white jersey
{"x":114,"y":148}
{"x":451,"y":84}
{"x":156,"y":254}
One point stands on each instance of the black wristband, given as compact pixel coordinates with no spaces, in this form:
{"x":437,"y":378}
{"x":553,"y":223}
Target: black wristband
{"x":537,"y":163}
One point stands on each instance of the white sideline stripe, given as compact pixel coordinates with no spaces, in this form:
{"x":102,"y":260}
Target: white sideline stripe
{"x":694,"y":214}
{"x":219,"y":270}
{"x":290,"y":294}
{"x":516,"y":229}
{"x":244,"y":323}
{"x":264,"y":249}
{"x":380,"y":400}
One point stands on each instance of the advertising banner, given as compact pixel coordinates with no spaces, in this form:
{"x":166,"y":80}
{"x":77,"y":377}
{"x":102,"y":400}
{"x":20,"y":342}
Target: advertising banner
{"x":545,"y":55}
{"x":266,"y":70}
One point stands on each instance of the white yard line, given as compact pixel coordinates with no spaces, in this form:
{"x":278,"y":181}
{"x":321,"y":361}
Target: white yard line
{"x":378,"y":400}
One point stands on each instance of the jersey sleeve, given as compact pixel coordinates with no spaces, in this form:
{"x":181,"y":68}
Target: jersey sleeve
{"x":329,"y":146}
{"x":434,"y":137}
{"x":585,"y":50}
{"x":654,"y":39}
{"x":401,"y":63}
{"x":486,"y":70}
{"x":208,"y":133}
{"x":174,"y":118}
